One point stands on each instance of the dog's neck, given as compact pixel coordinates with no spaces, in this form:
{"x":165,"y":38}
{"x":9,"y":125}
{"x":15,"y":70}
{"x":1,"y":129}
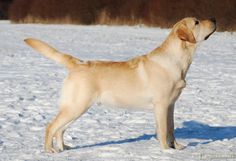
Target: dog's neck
{"x":175,"y":52}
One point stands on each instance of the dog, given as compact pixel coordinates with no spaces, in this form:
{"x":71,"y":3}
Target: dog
{"x":154,"y":80}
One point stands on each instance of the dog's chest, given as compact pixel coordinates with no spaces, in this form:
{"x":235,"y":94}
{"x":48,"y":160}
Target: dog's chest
{"x":177,"y":89}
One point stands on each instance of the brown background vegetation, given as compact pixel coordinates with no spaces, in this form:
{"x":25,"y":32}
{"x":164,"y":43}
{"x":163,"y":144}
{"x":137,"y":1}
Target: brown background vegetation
{"x":4,"y":5}
{"x":163,"y":13}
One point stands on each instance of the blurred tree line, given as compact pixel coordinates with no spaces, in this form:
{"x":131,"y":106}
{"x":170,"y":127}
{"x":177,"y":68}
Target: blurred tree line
{"x":163,"y":13}
{"x":4,"y":6}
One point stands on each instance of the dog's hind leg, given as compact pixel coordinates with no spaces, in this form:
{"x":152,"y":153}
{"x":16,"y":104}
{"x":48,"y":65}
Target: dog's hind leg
{"x":59,"y":137}
{"x":61,"y":120}
{"x":66,"y":116}
{"x":77,"y":96}
{"x":73,"y":104}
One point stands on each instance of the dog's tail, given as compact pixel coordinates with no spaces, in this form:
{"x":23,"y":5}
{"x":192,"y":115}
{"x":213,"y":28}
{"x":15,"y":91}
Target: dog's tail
{"x":51,"y":53}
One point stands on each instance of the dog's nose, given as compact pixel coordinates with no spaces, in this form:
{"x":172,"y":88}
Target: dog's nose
{"x":213,"y":20}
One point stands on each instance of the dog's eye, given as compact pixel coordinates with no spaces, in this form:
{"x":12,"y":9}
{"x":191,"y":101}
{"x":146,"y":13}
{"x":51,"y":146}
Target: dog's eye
{"x":196,"y":22}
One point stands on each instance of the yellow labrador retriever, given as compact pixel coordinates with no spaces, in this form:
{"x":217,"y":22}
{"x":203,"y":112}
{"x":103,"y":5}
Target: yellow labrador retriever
{"x":153,"y":80}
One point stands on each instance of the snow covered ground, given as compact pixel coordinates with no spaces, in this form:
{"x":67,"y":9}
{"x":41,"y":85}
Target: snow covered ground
{"x":205,"y":114}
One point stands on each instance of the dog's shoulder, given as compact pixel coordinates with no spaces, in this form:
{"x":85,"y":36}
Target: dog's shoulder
{"x":135,"y":62}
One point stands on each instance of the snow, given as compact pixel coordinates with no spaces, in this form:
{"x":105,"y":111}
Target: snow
{"x":205,"y":115}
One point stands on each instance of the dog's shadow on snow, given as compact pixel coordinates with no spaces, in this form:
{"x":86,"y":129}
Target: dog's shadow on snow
{"x":207,"y":133}
{"x":190,"y":130}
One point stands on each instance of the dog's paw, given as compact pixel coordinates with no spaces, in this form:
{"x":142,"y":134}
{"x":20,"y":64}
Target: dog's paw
{"x":169,"y":150}
{"x":51,"y":150}
{"x":179,"y":146}
{"x":65,"y":147}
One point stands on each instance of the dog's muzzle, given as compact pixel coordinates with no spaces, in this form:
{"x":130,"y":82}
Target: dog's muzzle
{"x":213,"y":20}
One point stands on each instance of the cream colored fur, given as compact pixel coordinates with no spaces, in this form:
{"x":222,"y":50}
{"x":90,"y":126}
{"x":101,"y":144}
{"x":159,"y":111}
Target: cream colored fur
{"x":154,"y":80}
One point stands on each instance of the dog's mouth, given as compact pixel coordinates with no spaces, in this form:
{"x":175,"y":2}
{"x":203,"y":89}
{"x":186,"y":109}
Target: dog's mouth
{"x":210,"y":34}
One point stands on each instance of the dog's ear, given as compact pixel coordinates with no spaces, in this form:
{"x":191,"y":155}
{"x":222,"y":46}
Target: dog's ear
{"x":185,"y":34}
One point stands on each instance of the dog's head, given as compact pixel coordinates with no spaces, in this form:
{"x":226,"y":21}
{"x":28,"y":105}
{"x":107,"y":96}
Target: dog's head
{"x":193,"y":30}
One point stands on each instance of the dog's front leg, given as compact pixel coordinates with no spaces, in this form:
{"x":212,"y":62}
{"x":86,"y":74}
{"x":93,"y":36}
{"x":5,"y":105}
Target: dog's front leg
{"x":161,"y":116}
{"x":171,"y":138}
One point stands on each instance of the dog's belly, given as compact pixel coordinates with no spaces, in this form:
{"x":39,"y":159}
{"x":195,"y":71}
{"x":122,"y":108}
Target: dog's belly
{"x":127,"y":100}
